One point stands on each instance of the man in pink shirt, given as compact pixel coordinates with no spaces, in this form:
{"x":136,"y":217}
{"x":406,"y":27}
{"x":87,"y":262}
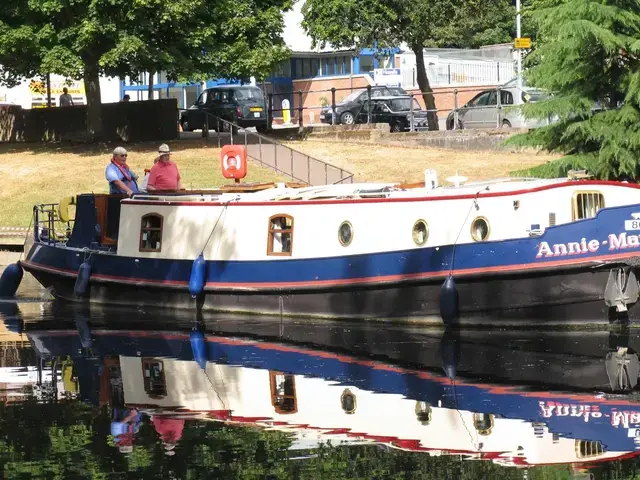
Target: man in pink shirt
{"x":164,"y":174}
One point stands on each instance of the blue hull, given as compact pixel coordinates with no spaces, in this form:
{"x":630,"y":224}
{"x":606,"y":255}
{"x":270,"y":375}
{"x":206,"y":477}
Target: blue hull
{"x":561,"y":273}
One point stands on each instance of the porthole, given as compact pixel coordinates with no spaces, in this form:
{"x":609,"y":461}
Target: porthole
{"x":480,"y":229}
{"x":345,"y":233}
{"x":348,"y":402}
{"x":420,"y":232}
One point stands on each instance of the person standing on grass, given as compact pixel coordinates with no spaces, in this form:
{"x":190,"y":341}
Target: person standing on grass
{"x":120,"y":177}
{"x":66,"y":100}
{"x":164,"y":174}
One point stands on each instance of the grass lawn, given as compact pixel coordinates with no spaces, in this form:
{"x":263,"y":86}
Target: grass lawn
{"x":387,"y":163}
{"x":44,"y":174}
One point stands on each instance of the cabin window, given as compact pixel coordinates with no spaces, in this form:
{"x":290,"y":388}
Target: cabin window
{"x":348,"y":402}
{"x":420,"y":232}
{"x":483,"y":423}
{"x":151,"y":233}
{"x":586,"y":204}
{"x":591,"y":448}
{"x":345,"y":234}
{"x":283,"y":392}
{"x":480,"y":229}
{"x":280,"y":235}
{"x":154,"y":380}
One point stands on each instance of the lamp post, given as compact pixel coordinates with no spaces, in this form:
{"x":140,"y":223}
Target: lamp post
{"x":518,"y":35}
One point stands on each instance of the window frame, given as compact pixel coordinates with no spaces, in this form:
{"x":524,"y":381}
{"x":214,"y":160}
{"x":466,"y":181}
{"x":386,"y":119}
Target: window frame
{"x":347,"y":242}
{"x":144,"y":229}
{"x":271,"y":231}
{"x":574,"y":203}
{"x":147,"y":362}
{"x":420,"y":221}
{"x":274,"y":394}
{"x":473,"y":233}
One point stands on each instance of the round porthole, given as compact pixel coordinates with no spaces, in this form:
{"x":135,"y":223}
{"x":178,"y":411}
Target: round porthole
{"x":420,"y":232}
{"x":348,"y":402}
{"x":480,"y":229}
{"x":345,"y":233}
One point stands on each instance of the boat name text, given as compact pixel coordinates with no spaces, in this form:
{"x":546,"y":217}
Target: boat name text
{"x":614,"y":242}
{"x":618,"y":418}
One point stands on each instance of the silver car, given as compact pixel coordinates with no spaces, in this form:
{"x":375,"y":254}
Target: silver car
{"x":483,"y":110}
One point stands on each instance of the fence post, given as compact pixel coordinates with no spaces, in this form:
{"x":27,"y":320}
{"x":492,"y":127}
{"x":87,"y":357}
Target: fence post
{"x":333,"y":105}
{"x":449,"y":73}
{"x":455,"y":109}
{"x":411,"y":112}
{"x":498,"y":65}
{"x":369,"y":105}
{"x":270,"y":111}
{"x":498,"y":107}
{"x":300,"y":120}
{"x":205,"y":130}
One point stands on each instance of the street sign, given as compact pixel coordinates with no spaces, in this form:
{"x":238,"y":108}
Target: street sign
{"x":523,"y":43}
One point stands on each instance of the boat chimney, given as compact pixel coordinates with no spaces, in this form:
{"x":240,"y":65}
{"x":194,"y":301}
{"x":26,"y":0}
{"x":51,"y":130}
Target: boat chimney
{"x":430,"y":179}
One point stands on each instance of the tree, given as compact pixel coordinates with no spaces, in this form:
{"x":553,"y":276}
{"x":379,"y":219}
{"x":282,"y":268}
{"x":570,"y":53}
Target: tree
{"x":587,"y":58}
{"x":418,"y":24}
{"x":191,"y":39}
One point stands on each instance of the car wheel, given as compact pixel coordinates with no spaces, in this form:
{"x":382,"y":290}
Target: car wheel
{"x":506,"y":124}
{"x":396,"y":127}
{"x":347,"y":118}
{"x":185,"y":126}
{"x":262,"y":128}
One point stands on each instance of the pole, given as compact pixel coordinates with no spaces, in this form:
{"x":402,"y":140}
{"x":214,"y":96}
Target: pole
{"x":518,"y":35}
{"x":48,"y":90}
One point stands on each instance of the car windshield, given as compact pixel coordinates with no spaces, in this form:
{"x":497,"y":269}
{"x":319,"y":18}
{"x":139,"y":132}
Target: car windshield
{"x":404,"y":104}
{"x":248,"y":94}
{"x":352,"y":97}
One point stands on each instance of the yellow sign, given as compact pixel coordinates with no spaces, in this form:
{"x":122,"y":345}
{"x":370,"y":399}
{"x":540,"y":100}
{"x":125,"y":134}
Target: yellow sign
{"x":40,"y":88}
{"x":523,"y":43}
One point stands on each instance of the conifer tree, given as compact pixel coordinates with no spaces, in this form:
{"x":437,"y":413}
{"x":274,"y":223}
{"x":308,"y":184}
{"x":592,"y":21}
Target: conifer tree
{"x":587,"y":57}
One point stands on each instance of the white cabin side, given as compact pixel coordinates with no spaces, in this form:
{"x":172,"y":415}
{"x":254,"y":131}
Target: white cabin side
{"x":243,"y":230}
{"x":295,"y":402}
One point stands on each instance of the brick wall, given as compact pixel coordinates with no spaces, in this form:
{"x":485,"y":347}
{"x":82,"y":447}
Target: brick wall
{"x":315,"y":89}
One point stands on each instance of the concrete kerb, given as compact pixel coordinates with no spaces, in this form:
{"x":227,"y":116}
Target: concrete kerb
{"x":470,"y":139}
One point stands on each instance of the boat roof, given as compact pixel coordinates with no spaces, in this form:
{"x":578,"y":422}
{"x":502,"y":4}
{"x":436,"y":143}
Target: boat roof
{"x":299,"y":192}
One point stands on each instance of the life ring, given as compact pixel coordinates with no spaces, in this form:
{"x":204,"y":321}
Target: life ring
{"x":63,"y":208}
{"x":231,"y":162}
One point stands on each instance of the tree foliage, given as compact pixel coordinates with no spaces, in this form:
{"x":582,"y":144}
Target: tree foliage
{"x":417,"y":24}
{"x":190,"y":39}
{"x":587,"y":57}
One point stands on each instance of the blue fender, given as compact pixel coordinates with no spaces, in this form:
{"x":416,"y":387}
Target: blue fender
{"x":10,"y":280}
{"x":449,"y":301}
{"x":82,"y":282}
{"x":197,"y":278}
{"x":199,"y":347}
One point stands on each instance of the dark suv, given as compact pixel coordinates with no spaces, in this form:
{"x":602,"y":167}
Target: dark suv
{"x":243,"y":105}
{"x":396,"y":111}
{"x":348,"y":109}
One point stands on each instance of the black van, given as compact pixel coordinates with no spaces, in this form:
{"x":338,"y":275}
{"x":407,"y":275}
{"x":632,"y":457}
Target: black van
{"x":243,"y":105}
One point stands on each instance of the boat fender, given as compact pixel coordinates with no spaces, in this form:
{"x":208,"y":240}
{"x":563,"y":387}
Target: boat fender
{"x":199,"y":347}
{"x":449,"y":301}
{"x":10,"y":280}
{"x":63,"y":208}
{"x":84,"y":332}
{"x":196,"y":280}
{"x":450,"y":353}
{"x":82,"y":282}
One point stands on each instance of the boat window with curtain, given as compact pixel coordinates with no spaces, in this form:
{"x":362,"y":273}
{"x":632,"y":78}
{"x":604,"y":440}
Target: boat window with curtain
{"x":586,"y":204}
{"x":283,"y":392}
{"x":151,"y":233}
{"x":154,"y":380}
{"x":280,"y":240}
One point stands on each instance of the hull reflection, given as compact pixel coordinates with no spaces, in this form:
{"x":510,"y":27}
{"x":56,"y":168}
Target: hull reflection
{"x":486,"y":397}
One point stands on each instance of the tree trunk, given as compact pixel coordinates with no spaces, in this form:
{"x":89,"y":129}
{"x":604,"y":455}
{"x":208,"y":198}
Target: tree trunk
{"x":425,"y":88}
{"x":150,"y":91}
{"x":94,"y":102}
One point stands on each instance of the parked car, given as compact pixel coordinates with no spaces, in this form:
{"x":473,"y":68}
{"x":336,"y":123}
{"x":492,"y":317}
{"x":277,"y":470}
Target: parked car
{"x":242,"y":105}
{"x":347,"y":109}
{"x":482,"y":112}
{"x":396,"y":111}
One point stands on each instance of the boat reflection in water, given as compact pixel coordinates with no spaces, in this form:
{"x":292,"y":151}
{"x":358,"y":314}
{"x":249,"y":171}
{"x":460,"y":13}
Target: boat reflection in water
{"x":518,"y":400}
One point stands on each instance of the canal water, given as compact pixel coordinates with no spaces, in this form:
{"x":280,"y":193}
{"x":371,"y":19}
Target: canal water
{"x":94,"y":392}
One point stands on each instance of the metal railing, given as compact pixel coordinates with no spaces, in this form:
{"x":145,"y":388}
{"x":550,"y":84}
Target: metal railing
{"x":461,"y":74}
{"x":45,"y":219}
{"x":367,"y":115}
{"x":270,"y":153}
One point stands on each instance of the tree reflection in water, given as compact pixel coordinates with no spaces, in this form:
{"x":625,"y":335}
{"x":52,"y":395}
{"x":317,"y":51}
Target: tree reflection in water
{"x":71,"y":439}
